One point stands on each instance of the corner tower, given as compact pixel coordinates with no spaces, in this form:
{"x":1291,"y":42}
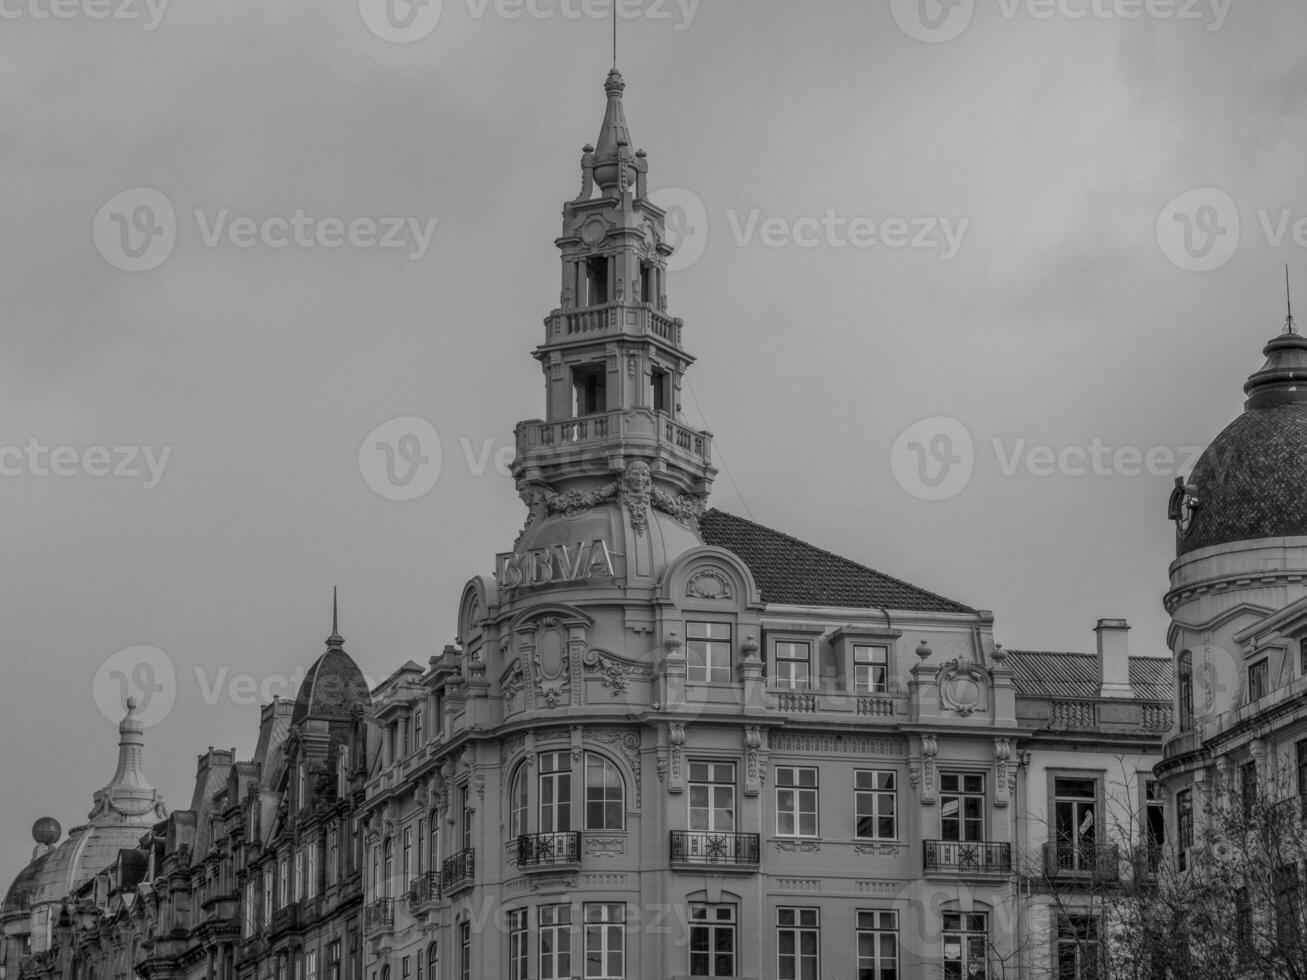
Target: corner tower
{"x":613,"y":478}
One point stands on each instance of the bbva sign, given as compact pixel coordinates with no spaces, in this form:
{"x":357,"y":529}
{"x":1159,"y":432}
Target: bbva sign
{"x":555,"y":564}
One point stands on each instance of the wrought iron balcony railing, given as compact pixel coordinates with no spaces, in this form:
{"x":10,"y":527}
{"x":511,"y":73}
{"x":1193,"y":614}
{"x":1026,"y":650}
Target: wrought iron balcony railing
{"x":1082,"y":859}
{"x":547,"y":850}
{"x":379,"y":917}
{"x":715,"y":847}
{"x":979,"y":857}
{"x":423,"y":891}
{"x":458,"y":871}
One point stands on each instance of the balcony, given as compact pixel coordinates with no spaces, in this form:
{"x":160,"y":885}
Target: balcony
{"x":971,"y":859}
{"x":379,"y":917}
{"x":834,"y":701}
{"x":285,"y":919}
{"x":612,"y":319}
{"x":615,"y":430}
{"x":423,"y":892}
{"x":458,"y":872}
{"x":1082,"y":861}
{"x":543,"y":851}
{"x":725,"y":851}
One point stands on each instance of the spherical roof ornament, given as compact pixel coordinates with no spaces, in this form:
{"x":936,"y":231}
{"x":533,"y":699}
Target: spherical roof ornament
{"x":46,"y":831}
{"x":923,"y":649}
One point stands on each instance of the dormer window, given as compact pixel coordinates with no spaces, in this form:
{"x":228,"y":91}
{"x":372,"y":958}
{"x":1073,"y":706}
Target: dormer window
{"x":1258,"y":680}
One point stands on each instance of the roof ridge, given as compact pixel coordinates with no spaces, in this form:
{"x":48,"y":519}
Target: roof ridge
{"x":840,"y":558}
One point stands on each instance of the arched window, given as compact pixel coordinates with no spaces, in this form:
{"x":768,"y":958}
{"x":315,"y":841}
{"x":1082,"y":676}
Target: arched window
{"x":605,"y":796}
{"x":433,"y":963}
{"x":517,"y":805}
{"x":388,"y":885}
{"x":1185,"y":681}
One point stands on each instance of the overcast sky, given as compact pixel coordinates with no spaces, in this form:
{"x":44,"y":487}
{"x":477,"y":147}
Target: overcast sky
{"x":975,"y":216}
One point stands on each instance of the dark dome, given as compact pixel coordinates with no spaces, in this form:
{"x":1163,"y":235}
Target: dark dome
{"x":19,"y":896}
{"x":331,"y":688}
{"x":1252,"y":480}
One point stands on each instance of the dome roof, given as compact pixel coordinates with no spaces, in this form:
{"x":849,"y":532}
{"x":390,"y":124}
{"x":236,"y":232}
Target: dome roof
{"x":332,"y":687}
{"x":1252,"y":481}
{"x":123,"y":810}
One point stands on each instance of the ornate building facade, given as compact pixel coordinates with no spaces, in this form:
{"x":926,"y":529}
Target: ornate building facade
{"x":670,"y":742}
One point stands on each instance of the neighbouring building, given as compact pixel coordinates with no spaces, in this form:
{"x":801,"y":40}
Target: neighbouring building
{"x":259,"y":879}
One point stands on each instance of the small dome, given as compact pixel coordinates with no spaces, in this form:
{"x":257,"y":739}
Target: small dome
{"x":331,"y":688}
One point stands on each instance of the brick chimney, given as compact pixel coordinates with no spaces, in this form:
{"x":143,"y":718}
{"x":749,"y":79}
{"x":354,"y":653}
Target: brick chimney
{"x":1113,"y":659}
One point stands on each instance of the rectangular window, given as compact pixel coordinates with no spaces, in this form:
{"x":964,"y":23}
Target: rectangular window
{"x":1288,"y":911}
{"x":798,"y":941}
{"x":249,"y":908}
{"x":712,"y":796}
{"x":518,"y":962}
{"x":465,"y":950}
{"x":333,"y":960}
{"x":403,"y":738}
{"x":1184,"y":825}
{"x":1248,"y":789}
{"x":712,"y":940}
{"x":1078,"y":951}
{"x":708,"y":652}
{"x":405,"y":968}
{"x":605,"y":947}
{"x":555,"y":792}
{"x":408,"y":856}
{"x":875,"y":802}
{"x":1154,"y":824}
{"x":283,"y":882}
{"x":604,"y":805}
{"x":421,"y":837}
{"x":796,"y":802}
{"x":465,"y":812}
{"x":268,"y":902}
{"x":311,"y":870}
{"x":962,"y":806}
{"x":419,"y":709}
{"x":299,"y":873}
{"x":878,"y":945}
{"x":1243,"y":924}
{"x":793,"y":666}
{"x":1302,"y":774}
{"x":333,"y":855}
{"x":1075,"y":824}
{"x":870,"y":670}
{"x":1258,"y":677}
{"x":554,"y":928}
{"x":966,"y":938}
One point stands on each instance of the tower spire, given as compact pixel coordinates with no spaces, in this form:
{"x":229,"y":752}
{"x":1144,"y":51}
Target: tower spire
{"x":1289,"y":325}
{"x":335,"y":639}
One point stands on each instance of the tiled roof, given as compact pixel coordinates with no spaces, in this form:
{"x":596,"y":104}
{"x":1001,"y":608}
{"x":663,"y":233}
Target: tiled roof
{"x":1046,"y":673}
{"x":331,"y":688}
{"x":792,"y":572}
{"x":1251,"y":478}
